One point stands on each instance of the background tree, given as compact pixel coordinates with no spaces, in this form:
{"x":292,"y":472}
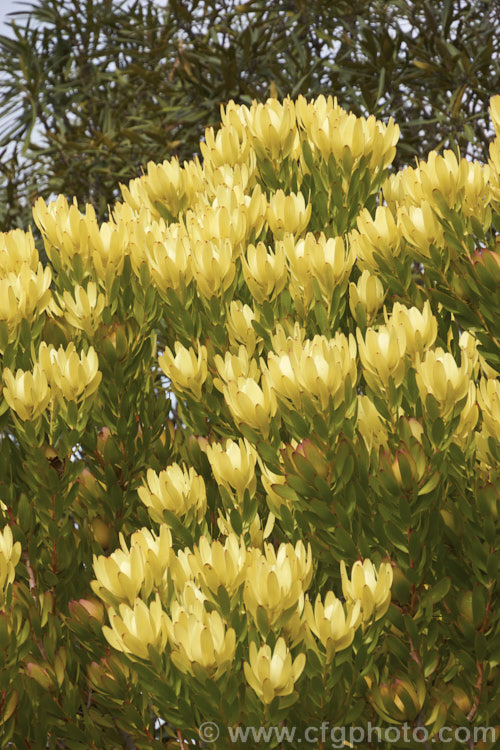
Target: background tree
{"x":92,"y":91}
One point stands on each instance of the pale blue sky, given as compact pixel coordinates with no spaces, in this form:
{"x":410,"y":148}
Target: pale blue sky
{"x":6,"y":6}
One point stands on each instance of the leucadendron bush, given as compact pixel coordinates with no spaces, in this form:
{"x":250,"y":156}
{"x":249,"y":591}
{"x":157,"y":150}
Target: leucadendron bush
{"x":250,"y":443}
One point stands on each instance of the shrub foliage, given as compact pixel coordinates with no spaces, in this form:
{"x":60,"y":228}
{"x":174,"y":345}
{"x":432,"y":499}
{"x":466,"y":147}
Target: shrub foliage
{"x":90,"y":91}
{"x":250,"y":442}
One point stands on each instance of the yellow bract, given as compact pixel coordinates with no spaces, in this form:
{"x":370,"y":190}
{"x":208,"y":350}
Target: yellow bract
{"x":273,"y":128}
{"x":276,"y":581}
{"x":71,"y":377}
{"x":24,"y":294}
{"x":185,"y":369}
{"x":489,"y":401}
{"x":250,"y":403}
{"x":265,"y":272}
{"x":331,"y":623}
{"x":287,"y":213}
{"x":379,"y":234}
{"x":382,"y":354}
{"x":233,"y":466}
{"x":17,"y":249}
{"x":135,"y":628}
{"x":27,"y":393}
{"x":235,"y":366}
{"x":327,"y":261}
{"x":272,"y":673}
{"x":420,"y":228}
{"x":315,"y":369}
{"x":369,"y":294}
{"x":83,"y":308}
{"x":440,"y":376}
{"x":200,"y":639}
{"x":370,"y":424}
{"x":370,"y":587}
{"x":420,"y":327}
{"x":10,"y":554}
{"x":216,"y":564}
{"x":176,"y":489}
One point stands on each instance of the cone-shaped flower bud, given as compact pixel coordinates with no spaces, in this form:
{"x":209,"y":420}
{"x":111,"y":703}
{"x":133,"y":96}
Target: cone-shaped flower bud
{"x":186,"y":371}
{"x":176,"y":489}
{"x":369,"y":586}
{"x":272,"y":673}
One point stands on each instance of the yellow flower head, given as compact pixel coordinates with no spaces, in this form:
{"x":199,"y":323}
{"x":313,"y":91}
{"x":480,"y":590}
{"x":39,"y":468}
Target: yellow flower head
{"x":288,"y":213}
{"x":27,"y":393}
{"x":369,"y":294}
{"x":233,"y":466}
{"x":135,"y":628}
{"x":265,"y":272}
{"x":420,"y":327}
{"x":70,"y":376}
{"x":370,"y":587}
{"x":186,"y":371}
{"x":382,"y":355}
{"x":10,"y":554}
{"x":200,"y":640}
{"x":277,"y":581}
{"x":273,"y":127}
{"x":176,"y":489}
{"x":272,"y":673}
{"x":216,"y":564}
{"x":235,"y":366}
{"x":379,"y":235}
{"x":333,"y":624}
{"x":250,"y":403}
{"x":240,"y":329}
{"x":439,"y":375}
{"x":84,"y":307}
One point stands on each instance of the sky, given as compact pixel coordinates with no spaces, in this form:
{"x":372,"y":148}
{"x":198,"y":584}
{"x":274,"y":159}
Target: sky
{"x":7,"y":6}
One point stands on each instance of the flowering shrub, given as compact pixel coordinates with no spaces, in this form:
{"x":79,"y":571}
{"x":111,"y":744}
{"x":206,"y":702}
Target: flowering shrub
{"x":250,"y":442}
